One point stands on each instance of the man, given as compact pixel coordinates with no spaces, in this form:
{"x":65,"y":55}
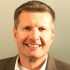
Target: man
{"x":33,"y":33}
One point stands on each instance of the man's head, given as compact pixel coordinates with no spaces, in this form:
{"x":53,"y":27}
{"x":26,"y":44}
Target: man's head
{"x":34,"y":29}
{"x":32,"y":6}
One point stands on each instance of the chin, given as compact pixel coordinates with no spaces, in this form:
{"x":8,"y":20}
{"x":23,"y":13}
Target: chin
{"x":36,"y":55}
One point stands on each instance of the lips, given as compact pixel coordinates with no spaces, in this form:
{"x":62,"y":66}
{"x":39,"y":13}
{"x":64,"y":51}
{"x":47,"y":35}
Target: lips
{"x":33,"y":45}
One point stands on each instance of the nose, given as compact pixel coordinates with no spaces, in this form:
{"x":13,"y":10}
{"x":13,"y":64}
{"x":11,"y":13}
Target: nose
{"x":34,"y":35}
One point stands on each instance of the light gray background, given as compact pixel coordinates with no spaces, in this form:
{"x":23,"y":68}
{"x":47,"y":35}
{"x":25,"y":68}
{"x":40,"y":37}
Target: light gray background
{"x":60,"y":48}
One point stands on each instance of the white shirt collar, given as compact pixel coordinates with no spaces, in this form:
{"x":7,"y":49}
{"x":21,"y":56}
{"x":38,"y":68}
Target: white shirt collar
{"x":17,"y":64}
{"x":18,"y":67}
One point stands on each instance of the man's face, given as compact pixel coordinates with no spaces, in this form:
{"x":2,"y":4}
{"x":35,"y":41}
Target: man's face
{"x":34,"y":34}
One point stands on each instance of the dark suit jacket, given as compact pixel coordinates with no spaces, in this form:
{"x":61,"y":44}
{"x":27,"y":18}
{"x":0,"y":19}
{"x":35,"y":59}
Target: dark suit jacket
{"x":53,"y":64}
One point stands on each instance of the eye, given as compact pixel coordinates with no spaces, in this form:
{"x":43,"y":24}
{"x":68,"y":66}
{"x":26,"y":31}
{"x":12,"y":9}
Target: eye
{"x":28,"y":28}
{"x":42,"y":29}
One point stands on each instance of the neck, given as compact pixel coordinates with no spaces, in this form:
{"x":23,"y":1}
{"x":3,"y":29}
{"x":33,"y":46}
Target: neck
{"x":32,"y":63}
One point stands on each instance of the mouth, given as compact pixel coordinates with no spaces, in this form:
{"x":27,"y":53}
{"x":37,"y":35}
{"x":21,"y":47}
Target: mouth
{"x":33,"y":45}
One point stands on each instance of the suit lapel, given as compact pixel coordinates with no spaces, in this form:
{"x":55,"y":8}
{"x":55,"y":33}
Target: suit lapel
{"x":11,"y":64}
{"x":51,"y":64}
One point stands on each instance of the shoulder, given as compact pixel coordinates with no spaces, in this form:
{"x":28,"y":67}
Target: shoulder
{"x":6,"y":61}
{"x":62,"y":65}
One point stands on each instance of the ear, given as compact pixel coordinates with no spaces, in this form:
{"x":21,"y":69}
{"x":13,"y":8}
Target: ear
{"x":15,"y":33}
{"x":52,"y":31}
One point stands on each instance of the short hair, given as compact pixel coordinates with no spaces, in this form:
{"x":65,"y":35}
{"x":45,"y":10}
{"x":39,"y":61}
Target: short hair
{"x":33,"y":6}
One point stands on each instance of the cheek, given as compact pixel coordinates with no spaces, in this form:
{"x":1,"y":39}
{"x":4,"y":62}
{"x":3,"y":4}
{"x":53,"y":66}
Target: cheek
{"x":47,"y":38}
{"x":21,"y":39}
{"x":47,"y":43}
{"x":20,"y":35}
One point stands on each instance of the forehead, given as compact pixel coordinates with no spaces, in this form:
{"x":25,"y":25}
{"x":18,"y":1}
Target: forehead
{"x":37,"y":18}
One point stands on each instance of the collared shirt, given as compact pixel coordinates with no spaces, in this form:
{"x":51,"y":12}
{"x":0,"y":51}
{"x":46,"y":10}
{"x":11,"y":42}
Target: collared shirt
{"x":19,"y":67}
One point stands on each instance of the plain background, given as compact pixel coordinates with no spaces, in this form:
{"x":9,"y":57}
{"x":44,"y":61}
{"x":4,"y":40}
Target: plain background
{"x":60,"y":48}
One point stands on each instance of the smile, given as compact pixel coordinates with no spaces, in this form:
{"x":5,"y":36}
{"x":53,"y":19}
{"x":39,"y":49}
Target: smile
{"x":33,"y":45}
